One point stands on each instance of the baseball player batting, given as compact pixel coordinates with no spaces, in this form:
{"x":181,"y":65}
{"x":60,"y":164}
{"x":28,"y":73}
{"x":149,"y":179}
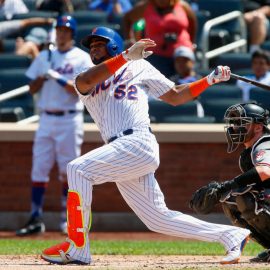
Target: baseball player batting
{"x":59,"y":136}
{"x":115,"y":92}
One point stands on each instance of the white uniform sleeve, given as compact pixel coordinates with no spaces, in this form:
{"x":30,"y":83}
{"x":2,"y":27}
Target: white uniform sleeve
{"x":261,"y":154}
{"x":157,"y":84}
{"x":39,"y":66}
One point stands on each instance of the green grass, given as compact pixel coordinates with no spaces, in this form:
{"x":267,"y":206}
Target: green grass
{"x":23,"y":246}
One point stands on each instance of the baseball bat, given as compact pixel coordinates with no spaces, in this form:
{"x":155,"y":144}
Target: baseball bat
{"x":258,"y":84}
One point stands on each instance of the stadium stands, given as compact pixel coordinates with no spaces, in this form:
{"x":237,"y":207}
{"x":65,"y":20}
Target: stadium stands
{"x":161,"y":112}
{"x":217,"y":107}
{"x":214,"y":100}
{"x":10,"y":60}
{"x":261,"y":96}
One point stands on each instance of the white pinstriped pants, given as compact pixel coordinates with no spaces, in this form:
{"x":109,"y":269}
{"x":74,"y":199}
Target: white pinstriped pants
{"x":130,"y":162}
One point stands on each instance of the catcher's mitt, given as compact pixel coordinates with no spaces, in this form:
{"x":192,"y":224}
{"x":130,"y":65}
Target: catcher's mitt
{"x":204,"y":199}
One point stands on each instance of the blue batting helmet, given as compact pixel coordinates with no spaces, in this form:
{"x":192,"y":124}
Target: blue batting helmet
{"x":68,"y":22}
{"x":115,"y":44}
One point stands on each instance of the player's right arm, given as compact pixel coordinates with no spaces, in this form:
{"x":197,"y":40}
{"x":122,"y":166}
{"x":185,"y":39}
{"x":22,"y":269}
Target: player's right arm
{"x":36,"y":85}
{"x":180,"y":94}
{"x":36,"y":72}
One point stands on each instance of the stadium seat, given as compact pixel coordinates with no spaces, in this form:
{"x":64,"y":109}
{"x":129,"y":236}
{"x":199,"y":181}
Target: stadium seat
{"x":89,"y":17}
{"x":217,"y":107}
{"x":235,"y":61}
{"x":217,"y":7}
{"x":24,"y":101}
{"x":221,"y":91}
{"x":164,"y":64}
{"x":31,"y":4}
{"x":9,"y":60}
{"x":9,"y":45}
{"x":260,"y":96}
{"x":35,"y":13}
{"x":11,"y":114}
{"x":11,"y":79}
{"x":159,"y":111}
{"x":266,"y":45}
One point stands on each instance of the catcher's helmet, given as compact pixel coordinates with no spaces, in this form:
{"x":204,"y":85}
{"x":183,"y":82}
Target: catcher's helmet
{"x":115,"y":44}
{"x":68,"y":22}
{"x":238,"y":117}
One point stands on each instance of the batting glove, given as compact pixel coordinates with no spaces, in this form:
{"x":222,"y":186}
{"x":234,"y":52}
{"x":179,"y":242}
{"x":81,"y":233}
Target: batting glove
{"x":220,"y":74}
{"x":137,"y":50}
{"x":52,"y":74}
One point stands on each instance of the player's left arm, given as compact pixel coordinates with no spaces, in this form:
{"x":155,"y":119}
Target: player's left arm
{"x":183,"y":93}
{"x":86,"y":81}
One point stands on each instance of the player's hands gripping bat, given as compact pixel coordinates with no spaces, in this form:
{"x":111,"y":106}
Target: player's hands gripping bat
{"x":205,"y":198}
{"x":220,"y":74}
{"x":137,"y":51}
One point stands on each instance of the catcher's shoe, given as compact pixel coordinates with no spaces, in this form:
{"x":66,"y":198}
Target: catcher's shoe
{"x":34,"y":226}
{"x":233,"y":255}
{"x":262,"y":257}
{"x":59,"y":254}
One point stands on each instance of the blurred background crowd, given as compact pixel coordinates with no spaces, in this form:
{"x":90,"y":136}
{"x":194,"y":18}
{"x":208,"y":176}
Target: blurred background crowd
{"x":192,"y":37}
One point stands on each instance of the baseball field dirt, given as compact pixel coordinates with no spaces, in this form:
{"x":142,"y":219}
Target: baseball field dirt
{"x":129,"y":262}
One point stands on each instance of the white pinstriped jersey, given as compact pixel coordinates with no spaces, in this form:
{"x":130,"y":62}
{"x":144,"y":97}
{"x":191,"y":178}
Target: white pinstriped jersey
{"x":121,"y":102}
{"x":53,"y":96}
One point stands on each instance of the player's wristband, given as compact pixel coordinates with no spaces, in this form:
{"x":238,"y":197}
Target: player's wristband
{"x":247,"y":178}
{"x":62,"y":81}
{"x":113,"y":64}
{"x":196,"y":88}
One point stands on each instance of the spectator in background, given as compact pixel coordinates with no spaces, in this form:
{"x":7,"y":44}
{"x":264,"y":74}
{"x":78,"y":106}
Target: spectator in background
{"x":33,"y":43}
{"x":111,"y":7}
{"x":10,"y":7}
{"x":8,"y":28}
{"x":60,"y":6}
{"x":170,"y":23}
{"x":260,"y":64}
{"x":184,"y":64}
{"x":256,"y":15}
{"x":13,"y":27}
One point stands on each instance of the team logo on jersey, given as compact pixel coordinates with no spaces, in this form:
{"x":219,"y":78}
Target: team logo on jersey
{"x":259,"y":156}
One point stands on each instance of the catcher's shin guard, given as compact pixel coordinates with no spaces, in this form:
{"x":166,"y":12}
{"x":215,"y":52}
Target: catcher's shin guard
{"x":75,"y":221}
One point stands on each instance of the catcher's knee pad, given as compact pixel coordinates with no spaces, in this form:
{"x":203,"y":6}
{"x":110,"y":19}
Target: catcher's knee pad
{"x":260,"y":222}
{"x":76,"y":231}
{"x":231,"y":211}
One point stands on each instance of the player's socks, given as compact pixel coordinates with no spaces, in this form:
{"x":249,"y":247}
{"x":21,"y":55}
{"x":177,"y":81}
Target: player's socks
{"x":38,"y":192}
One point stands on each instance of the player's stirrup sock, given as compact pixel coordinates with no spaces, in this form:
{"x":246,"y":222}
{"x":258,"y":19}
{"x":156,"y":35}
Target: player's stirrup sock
{"x":38,"y":191}
{"x":75,"y":222}
{"x":64,"y":202}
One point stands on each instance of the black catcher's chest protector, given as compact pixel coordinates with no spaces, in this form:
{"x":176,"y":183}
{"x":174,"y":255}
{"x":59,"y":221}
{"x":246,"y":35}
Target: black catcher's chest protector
{"x":245,"y":161}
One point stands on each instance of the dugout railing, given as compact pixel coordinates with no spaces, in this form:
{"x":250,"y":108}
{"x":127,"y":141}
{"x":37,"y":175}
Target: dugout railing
{"x":241,"y":43}
{"x":15,"y":93}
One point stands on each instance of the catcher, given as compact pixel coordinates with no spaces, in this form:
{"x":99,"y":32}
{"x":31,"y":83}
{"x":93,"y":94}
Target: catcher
{"x":246,"y":198}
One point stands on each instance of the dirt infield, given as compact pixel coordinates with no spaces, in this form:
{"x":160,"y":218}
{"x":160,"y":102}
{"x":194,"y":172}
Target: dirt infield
{"x":122,"y":262}
{"x":128,"y":262}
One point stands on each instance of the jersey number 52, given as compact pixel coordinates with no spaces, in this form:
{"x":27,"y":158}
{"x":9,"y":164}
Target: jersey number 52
{"x":122,"y":91}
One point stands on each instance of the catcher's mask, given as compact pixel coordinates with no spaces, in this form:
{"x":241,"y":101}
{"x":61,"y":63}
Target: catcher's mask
{"x":238,"y":119}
